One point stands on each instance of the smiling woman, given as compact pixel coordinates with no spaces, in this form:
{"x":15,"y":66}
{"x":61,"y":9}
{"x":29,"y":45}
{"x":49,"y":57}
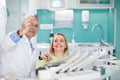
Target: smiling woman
{"x":59,"y":45}
{"x":58,"y":51}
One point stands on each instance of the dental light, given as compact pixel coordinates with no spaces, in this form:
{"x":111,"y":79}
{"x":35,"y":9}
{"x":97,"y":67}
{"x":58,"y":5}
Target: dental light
{"x":56,"y":5}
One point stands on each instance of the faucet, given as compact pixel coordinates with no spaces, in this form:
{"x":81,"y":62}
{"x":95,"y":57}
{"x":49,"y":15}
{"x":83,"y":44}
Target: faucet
{"x":101,"y":28}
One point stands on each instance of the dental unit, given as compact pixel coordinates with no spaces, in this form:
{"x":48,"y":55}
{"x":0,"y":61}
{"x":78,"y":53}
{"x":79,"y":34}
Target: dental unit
{"x":73,"y":69}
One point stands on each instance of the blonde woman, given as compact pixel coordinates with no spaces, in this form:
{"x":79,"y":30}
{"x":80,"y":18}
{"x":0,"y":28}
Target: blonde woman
{"x":58,"y":50}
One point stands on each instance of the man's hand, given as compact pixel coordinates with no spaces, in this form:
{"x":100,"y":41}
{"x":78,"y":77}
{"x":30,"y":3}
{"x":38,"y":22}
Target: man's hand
{"x":25,"y":26}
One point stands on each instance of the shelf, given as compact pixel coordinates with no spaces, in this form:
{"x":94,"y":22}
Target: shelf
{"x":94,"y":5}
{"x":76,"y":4}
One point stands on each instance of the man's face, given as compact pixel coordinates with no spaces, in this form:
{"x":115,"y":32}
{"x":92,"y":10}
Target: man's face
{"x":32,"y":28}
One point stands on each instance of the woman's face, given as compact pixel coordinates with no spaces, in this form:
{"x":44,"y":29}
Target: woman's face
{"x":59,"y":43}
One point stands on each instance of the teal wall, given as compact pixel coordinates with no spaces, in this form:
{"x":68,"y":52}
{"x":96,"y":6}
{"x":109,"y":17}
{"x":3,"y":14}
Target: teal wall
{"x":104,"y":17}
{"x":117,"y":6}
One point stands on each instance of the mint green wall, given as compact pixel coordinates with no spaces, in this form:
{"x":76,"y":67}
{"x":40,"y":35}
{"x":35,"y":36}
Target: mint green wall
{"x":117,"y":6}
{"x":103,"y":17}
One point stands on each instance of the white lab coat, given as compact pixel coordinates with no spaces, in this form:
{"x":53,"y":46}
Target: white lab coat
{"x":17,"y":59}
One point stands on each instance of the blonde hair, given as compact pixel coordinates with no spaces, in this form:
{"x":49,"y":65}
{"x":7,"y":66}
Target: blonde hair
{"x":51,"y":49}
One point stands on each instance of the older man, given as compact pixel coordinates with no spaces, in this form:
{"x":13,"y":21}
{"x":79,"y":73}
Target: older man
{"x":18,"y":55}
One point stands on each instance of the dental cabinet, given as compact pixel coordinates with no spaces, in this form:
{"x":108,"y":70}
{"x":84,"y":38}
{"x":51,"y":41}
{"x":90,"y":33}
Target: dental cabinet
{"x":95,"y":4}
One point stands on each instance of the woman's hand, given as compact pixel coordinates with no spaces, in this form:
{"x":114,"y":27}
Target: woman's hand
{"x":47,"y":57}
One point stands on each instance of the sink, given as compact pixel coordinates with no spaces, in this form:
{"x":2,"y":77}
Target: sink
{"x":98,"y":44}
{"x":94,"y":44}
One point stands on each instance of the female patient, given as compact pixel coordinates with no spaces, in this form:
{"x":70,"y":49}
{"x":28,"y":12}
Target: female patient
{"x":58,"y":50}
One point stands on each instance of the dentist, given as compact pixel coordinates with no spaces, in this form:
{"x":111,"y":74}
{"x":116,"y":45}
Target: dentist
{"x":18,"y":54}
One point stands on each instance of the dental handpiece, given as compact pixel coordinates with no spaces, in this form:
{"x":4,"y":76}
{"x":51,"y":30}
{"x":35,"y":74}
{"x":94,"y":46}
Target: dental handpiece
{"x":77,"y":61}
{"x":91,"y":58}
{"x":40,"y":58}
{"x":71,"y":59}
